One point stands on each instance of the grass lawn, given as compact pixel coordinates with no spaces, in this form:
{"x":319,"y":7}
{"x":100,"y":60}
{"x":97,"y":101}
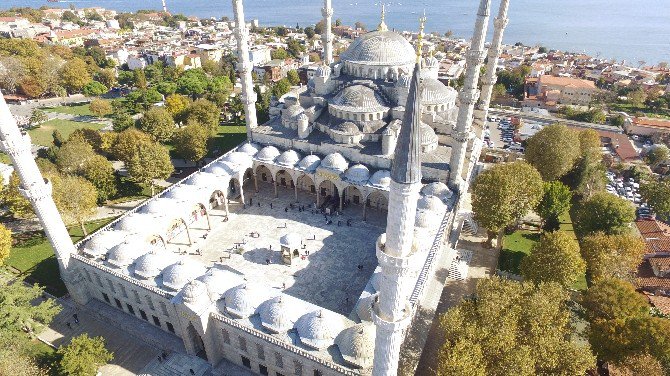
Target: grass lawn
{"x":79,"y":109}
{"x":33,"y":258}
{"x":227,"y":137}
{"x":127,"y":190}
{"x":43,"y":134}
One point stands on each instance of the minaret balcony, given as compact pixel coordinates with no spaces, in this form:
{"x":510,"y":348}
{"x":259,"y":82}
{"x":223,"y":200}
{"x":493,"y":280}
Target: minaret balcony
{"x":400,"y":266}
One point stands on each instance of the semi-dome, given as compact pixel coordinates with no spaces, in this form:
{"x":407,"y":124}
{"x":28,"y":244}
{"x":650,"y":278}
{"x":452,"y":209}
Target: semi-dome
{"x":430,"y":203}
{"x":428,"y":136}
{"x":103,"y":242}
{"x":242,"y":301}
{"x":357,"y":344}
{"x":249,"y":148}
{"x":435,"y":92}
{"x":195,"y":292}
{"x":268,"y":154}
{"x":220,"y":169}
{"x":318,"y":329}
{"x":357,"y":174}
{"x":288,"y":158}
{"x":177,"y":275}
{"x":237,"y":158}
{"x":381,"y":179}
{"x":278,"y":314}
{"x":309,"y":163}
{"x":124,"y":254}
{"x":380,"y":48}
{"x":292,"y":111}
{"x":359,"y":98}
{"x":151,"y":264}
{"x":364,"y":307}
{"x":437,"y":189}
{"x":204,"y":180}
{"x":335,"y":161}
{"x":346,"y":128}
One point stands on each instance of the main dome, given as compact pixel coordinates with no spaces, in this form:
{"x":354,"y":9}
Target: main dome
{"x":385,"y":48}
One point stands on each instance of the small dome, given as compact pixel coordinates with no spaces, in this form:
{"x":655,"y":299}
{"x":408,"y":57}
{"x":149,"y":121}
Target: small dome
{"x":184,"y":192}
{"x":237,"y":158}
{"x":425,"y":219}
{"x":291,"y":240}
{"x":125,"y":253}
{"x":309,"y":163}
{"x":220,"y":169}
{"x":216,"y":282}
{"x":428,"y":136}
{"x":357,"y":174}
{"x":357,"y":344}
{"x":347,"y":128}
{"x":267,"y":154}
{"x":292,"y":111}
{"x":204,"y":180}
{"x":435,"y":92}
{"x":242,"y":301}
{"x":278,"y":315}
{"x":437,"y":189}
{"x":323,"y":71}
{"x":151,"y":264}
{"x":103,"y":242}
{"x":364,"y":307}
{"x":404,"y":81}
{"x":381,"y":179}
{"x":249,"y":148}
{"x":161,"y":206}
{"x":177,"y":275}
{"x":359,"y":98}
{"x":318,"y":329}
{"x":195,"y":292}
{"x":335,"y":161}
{"x":288,"y":158}
{"x":430,"y":203}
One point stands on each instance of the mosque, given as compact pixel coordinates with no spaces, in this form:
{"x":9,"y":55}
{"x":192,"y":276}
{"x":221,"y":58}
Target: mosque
{"x":307,"y":249}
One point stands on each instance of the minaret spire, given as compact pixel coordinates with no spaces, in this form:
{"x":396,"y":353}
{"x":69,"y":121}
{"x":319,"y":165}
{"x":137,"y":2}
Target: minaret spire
{"x":327,"y":40}
{"x":494,"y":54}
{"x":382,"y":24}
{"x":392,"y":313}
{"x":468,"y":96}
{"x":244,"y":68}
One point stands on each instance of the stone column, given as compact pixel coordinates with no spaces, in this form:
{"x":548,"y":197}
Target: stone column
{"x":256,"y":182}
{"x":327,"y":38}
{"x":244,"y":68}
{"x":494,"y":54}
{"x":468,"y":96}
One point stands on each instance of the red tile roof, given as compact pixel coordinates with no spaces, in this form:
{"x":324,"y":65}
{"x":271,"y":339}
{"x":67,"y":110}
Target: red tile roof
{"x":651,"y":122}
{"x":567,"y":81}
{"x":621,"y":145}
{"x":661,"y":302}
{"x":656,"y":235}
{"x":647,"y":280}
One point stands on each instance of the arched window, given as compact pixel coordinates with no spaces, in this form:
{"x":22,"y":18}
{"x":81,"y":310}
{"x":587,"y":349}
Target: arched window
{"x":371,"y":117}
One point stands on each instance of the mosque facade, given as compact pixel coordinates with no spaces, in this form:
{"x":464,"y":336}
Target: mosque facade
{"x":363,"y":133}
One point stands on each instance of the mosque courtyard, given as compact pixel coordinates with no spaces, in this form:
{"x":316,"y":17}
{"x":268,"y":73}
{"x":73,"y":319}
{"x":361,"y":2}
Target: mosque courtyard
{"x":335,"y":262}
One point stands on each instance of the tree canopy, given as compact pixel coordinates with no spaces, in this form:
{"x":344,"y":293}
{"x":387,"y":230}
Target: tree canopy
{"x":612,"y":255}
{"x":612,"y":298}
{"x":204,"y":113}
{"x":657,"y":194}
{"x":5,"y":243}
{"x":128,"y":142}
{"x":604,"y":212}
{"x":555,"y":258}
{"x":100,"y":107}
{"x":83,"y":356}
{"x":191,"y":142}
{"x":553,"y":151}
{"x":149,"y":162}
{"x":76,"y":199}
{"x":158,"y":123}
{"x":555,"y":201}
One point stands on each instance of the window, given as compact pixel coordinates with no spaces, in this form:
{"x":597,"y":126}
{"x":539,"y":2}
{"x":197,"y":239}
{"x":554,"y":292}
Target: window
{"x":243,"y":344}
{"x":261,"y":353}
{"x":169,"y":326}
{"x":246,"y":362}
{"x":312,"y":189}
{"x":226,"y":336}
{"x":318,"y":373}
{"x":157,"y":322}
{"x":279,"y":374}
{"x":279,"y":362}
{"x":144,"y":315}
{"x":297,"y":368}
{"x":123,"y":291}
{"x":130,"y":309}
{"x":106,"y":297}
{"x":111,"y":285}
{"x":164,"y":309}
{"x":151,"y":303}
{"x":137,"y":297}
{"x":88,"y":275}
{"x":97,"y":278}
{"x":263,"y":370}
{"x":118,"y":303}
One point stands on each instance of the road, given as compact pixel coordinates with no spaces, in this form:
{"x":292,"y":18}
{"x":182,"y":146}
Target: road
{"x":541,"y":119}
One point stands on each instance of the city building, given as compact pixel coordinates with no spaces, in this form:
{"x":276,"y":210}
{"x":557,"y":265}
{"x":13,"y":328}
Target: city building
{"x":644,"y":126}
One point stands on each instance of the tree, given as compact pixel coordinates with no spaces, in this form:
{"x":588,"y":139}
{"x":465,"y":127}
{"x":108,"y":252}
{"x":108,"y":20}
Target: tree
{"x":100,"y":107}
{"x":38,"y":117}
{"x":309,"y":32}
{"x":511,"y":328}
{"x":18,"y":312}
{"x":643,"y":364}
{"x":637,"y":97}
{"x":657,"y":155}
{"x":73,"y":156}
{"x":10,"y":197}
{"x":94,"y":88}
{"x":504,"y":194}
{"x":657,"y":194}
{"x":293,"y":77}
{"x":499,"y":91}
{"x":553,"y":151}
{"x":83,"y":356}
{"x":100,"y":172}
{"x":555,"y":258}
{"x":589,"y":144}
{"x":360,"y":25}
{"x":192,"y":83}
{"x":151,"y":161}
{"x":612,"y":298}
{"x":158,"y":123}
{"x":74,"y":75}
{"x":295,"y":48}
{"x":175,"y":104}
{"x":279,"y":53}
{"x":205,"y":113}
{"x":76,"y":199}
{"x":191,"y":142}
{"x":604,"y":212}
{"x":13,"y":73}
{"x":69,"y":16}
{"x":280,"y":88}
{"x":555,"y":201}
{"x":128,"y":142}
{"x":106,"y":77}
{"x":612,"y":255}
{"x":122,"y":121}
{"x":5,"y":243}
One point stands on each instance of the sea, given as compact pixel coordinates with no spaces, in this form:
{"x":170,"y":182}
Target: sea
{"x":634,"y":31}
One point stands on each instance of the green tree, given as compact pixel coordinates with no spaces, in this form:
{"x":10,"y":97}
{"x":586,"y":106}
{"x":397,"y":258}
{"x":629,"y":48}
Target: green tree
{"x":555,"y":201}
{"x":657,"y":194}
{"x":553,"y":151}
{"x":74,"y":75}
{"x":176,"y":104}
{"x":294,"y":48}
{"x":511,"y":328}
{"x":100,"y":107}
{"x":612,"y":298}
{"x":5,"y":243}
{"x":158,"y":123}
{"x":193,"y":83}
{"x":280,"y":88}
{"x":128,"y":142}
{"x":100,"y":172}
{"x":18,"y":311}
{"x":76,"y":199}
{"x":11,"y":198}
{"x":122,"y":121}
{"x":205,"y":113}
{"x":191,"y":142}
{"x":612,"y":255}
{"x":637,"y":98}
{"x":555,"y":258}
{"x":293,"y":77}
{"x":94,"y":88}
{"x":151,"y":161}
{"x":657,"y":155}
{"x":83,"y":356}
{"x":69,"y":16}
{"x":279,"y":53}
{"x":309,"y":32}
{"x":140,"y":79}
{"x":166,"y":87}
{"x":604,"y":212}
{"x":504,"y":194}
{"x":589,"y":144}
{"x":106,"y":77}
{"x":73,"y":156}
{"x":38,"y":117}
{"x":91,"y":136}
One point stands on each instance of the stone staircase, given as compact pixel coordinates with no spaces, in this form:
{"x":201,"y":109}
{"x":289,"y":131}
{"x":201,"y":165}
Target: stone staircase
{"x":470,"y":226}
{"x":458,"y":269}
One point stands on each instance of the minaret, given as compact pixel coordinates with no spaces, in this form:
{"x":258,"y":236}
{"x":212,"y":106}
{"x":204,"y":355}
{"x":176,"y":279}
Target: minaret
{"x":468,"y":95}
{"x":35,"y":188}
{"x":244,"y":68}
{"x":494,"y":53}
{"x":327,"y":13}
{"x":164,"y":7}
{"x":391,"y":312}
